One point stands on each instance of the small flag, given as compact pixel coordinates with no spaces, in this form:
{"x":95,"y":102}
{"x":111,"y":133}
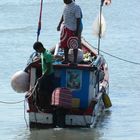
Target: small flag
{"x":107,"y":2}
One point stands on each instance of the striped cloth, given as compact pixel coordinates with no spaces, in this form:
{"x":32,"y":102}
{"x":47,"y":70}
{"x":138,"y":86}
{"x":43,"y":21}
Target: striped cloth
{"x":62,"y":97}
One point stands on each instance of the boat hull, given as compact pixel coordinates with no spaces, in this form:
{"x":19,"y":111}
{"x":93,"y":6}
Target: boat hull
{"x":38,"y":119}
{"x":78,"y":99}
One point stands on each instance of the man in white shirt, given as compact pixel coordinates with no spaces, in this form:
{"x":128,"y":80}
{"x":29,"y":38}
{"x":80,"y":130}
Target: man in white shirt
{"x":71,"y":19}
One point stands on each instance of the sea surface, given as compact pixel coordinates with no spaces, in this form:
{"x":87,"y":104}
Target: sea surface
{"x":18,"y":27}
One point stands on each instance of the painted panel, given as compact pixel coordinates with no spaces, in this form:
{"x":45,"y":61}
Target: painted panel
{"x":73,"y":79}
{"x":80,"y":85}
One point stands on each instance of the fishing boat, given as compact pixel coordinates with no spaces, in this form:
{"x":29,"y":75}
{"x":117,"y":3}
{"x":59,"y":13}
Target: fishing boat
{"x":81,"y":93}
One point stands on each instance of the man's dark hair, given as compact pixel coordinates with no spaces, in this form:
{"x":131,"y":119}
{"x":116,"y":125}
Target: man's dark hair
{"x":38,"y":45}
{"x":67,"y":1}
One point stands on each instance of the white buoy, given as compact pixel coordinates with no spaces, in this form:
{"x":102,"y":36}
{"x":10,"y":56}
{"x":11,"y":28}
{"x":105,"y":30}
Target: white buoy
{"x":20,"y":82}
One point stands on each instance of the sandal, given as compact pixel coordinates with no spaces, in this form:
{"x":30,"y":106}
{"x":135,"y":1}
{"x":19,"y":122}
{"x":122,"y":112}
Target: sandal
{"x":65,"y":62}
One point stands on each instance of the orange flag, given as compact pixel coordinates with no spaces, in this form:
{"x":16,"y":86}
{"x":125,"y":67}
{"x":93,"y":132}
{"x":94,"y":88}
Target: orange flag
{"x":107,"y":2}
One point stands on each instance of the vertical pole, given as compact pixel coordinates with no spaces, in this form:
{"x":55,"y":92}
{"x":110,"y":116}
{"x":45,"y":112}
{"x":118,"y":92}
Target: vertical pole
{"x":100,"y":26}
{"x":39,"y":22}
{"x":99,"y":40}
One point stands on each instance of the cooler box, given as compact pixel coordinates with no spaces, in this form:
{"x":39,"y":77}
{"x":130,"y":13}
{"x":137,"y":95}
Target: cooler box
{"x":62,"y":97}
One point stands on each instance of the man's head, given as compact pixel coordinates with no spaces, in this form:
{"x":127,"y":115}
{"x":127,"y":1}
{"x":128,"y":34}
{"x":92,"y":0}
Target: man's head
{"x":38,"y":46}
{"x":67,"y":1}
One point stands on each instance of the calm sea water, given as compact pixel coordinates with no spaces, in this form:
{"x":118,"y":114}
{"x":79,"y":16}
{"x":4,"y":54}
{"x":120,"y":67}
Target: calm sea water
{"x":18,"y":26}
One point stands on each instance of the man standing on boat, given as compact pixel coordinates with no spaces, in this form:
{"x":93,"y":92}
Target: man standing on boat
{"x":71,"y":33}
{"x":46,"y":81}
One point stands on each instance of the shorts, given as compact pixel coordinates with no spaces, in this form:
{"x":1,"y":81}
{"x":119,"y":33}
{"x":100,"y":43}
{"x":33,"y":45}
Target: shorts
{"x":68,"y":39}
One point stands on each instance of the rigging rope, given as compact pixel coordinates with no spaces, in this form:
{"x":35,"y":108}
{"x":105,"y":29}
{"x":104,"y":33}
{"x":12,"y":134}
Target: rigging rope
{"x":119,"y":58}
{"x":122,"y":59}
{"x":99,"y":37}
{"x":27,"y":96}
{"x":6,"y":102}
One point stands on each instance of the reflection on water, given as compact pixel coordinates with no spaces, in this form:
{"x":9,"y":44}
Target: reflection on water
{"x":104,"y":119}
{"x":65,"y":134}
{"x":68,"y":134}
